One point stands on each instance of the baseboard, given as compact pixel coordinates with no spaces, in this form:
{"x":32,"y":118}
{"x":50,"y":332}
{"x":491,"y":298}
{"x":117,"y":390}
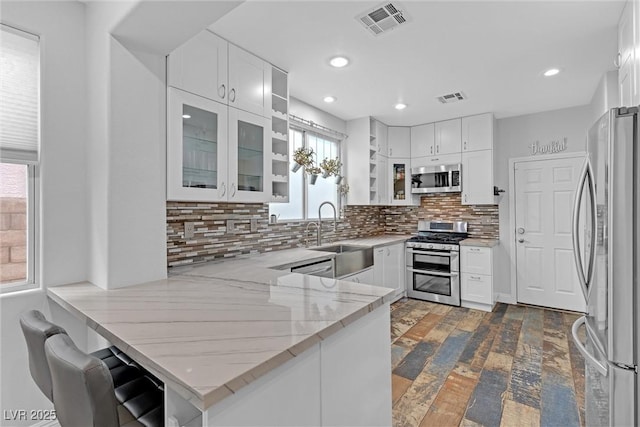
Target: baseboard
{"x":505,"y":298}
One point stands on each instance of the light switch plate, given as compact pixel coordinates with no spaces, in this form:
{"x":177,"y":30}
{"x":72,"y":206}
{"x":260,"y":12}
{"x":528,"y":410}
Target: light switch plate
{"x":231,"y":226}
{"x":189,"y":230}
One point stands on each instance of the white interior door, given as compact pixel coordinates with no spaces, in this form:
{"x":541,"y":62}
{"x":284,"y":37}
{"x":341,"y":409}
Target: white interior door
{"x":544,"y":195}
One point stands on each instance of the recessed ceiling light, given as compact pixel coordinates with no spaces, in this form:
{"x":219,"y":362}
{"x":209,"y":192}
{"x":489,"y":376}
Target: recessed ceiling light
{"x":186,"y":116}
{"x":339,"y":61}
{"x":551,"y":72}
{"x":400,"y":106}
{"x":330,"y":99}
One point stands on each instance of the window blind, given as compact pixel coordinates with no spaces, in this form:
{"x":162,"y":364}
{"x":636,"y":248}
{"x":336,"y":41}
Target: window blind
{"x":19,"y":95}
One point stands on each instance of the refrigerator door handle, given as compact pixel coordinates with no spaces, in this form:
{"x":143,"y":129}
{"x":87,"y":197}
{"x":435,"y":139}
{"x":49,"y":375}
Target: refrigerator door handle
{"x":594,"y":221}
{"x":588,"y":357}
{"x":575,"y":228}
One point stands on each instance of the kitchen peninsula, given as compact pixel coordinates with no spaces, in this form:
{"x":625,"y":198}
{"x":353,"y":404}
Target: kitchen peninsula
{"x":268,"y":347}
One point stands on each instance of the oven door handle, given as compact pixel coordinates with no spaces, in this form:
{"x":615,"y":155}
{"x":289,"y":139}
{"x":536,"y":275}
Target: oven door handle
{"x":421,"y":252}
{"x":433,"y":273}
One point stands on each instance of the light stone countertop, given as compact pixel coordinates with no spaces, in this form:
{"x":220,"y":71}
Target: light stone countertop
{"x":210,"y":329}
{"x":486,"y":243}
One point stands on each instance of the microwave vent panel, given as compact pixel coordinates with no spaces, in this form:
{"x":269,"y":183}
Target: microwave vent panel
{"x":451,"y":97}
{"x":385,"y":17}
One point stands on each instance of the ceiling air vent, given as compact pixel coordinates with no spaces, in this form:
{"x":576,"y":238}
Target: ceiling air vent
{"x":452,"y":97}
{"x":384,"y":17}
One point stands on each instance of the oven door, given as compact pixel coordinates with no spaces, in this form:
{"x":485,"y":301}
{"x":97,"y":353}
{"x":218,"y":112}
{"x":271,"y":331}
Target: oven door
{"x":433,"y":276}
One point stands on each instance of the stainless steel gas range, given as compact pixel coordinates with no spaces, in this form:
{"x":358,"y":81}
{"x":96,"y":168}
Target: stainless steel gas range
{"x":433,"y":261}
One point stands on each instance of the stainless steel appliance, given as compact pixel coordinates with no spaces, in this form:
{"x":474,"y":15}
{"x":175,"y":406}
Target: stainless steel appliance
{"x":323,"y":268}
{"x":607,"y":208}
{"x":436,"y":179}
{"x":433,"y":262}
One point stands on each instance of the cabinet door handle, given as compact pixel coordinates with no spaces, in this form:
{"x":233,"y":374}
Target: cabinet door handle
{"x":437,"y":149}
{"x":388,"y":252}
{"x":222,"y":88}
{"x":223,"y":188}
{"x":391,"y":151}
{"x":431,"y":149}
{"x":232,"y":92}
{"x":233,"y":189}
{"x":464,"y":145}
{"x":617,"y":61}
{"x":474,"y":277}
{"x":465,"y":198}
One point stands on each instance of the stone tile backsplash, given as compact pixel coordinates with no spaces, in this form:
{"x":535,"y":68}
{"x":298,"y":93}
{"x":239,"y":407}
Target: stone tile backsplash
{"x":211,"y":239}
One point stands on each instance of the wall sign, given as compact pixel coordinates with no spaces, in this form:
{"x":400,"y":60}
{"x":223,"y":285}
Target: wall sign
{"x":552,"y":147}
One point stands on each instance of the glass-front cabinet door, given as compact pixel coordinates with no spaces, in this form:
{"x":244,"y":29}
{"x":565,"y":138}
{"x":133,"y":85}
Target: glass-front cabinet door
{"x":249,"y":157}
{"x":197,"y":148}
{"x":401,"y":182}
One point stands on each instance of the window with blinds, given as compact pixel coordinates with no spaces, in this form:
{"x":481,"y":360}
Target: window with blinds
{"x":19,"y":144}
{"x":19,"y":95}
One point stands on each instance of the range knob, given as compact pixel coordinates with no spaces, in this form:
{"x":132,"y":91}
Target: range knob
{"x":430,"y":246}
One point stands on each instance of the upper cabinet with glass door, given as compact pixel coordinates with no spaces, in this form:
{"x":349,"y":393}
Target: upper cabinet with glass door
{"x":197,"y":154}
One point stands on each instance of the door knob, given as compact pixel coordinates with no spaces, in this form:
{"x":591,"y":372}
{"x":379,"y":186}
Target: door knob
{"x":520,"y":230}
{"x":521,"y":240}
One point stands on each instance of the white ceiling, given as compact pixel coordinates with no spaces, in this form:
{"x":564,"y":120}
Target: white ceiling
{"x":495,"y":52}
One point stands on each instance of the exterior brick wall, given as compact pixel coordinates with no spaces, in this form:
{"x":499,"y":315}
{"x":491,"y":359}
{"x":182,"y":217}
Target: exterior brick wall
{"x":13,"y":239}
{"x":212,"y":241}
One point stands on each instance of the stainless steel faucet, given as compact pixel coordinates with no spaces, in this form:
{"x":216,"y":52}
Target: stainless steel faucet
{"x":335,"y":220}
{"x":306,"y":231}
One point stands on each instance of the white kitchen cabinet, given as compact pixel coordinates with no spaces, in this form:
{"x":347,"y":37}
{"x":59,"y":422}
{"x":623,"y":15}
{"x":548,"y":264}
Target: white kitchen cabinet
{"x":249,"y":157}
{"x":447,"y":159}
{"x":382,"y":138}
{"x":448,"y":137}
{"x":216,"y":153}
{"x":389,"y":268}
{"x":477,"y":178}
{"x":399,"y":142}
{"x":361,"y":161}
{"x":477,"y":132}
{"x":399,"y":180}
{"x":364,"y":276}
{"x":476,"y":277}
{"x":249,"y":82}
{"x":211,"y":67}
{"x":422,"y":140}
{"x":197,"y":148}
{"x":382,"y":180}
{"x":200,"y":66}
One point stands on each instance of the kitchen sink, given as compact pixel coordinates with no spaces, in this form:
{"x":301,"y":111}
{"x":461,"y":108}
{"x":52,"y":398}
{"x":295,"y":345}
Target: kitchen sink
{"x":338,"y":249}
{"x":349,"y":258}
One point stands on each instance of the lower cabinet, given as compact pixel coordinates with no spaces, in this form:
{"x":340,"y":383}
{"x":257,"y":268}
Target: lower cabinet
{"x":389,"y":268}
{"x":364,"y":276}
{"x":476,"y":277}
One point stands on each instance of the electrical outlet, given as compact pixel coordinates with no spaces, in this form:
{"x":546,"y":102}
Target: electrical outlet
{"x":254,"y":225}
{"x":189,"y":230}
{"x":231,"y":226}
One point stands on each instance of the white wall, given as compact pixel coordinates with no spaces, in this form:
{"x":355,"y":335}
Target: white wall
{"x":63,"y":224}
{"x":514,"y":135}
{"x":308,"y":112}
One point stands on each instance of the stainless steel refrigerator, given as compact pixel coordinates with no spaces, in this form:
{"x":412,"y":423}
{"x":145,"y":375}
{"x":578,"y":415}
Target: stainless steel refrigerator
{"x":606,"y":231}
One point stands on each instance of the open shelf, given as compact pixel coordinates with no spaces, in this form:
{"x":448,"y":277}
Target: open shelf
{"x":279,"y":136}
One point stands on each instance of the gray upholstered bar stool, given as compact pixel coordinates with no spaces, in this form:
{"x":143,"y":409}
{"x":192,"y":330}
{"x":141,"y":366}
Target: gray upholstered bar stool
{"x":36,"y":329}
{"x":83,"y":392}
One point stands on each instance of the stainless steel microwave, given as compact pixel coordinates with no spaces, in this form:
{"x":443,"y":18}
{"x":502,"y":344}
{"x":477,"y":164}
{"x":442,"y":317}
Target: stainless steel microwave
{"x":436,"y":179}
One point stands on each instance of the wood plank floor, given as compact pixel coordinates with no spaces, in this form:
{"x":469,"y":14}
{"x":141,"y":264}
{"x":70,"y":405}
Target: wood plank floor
{"x":516,"y":366}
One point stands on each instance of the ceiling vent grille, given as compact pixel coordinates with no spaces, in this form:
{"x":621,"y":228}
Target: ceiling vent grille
{"x":451,"y":97}
{"x":385,"y":17}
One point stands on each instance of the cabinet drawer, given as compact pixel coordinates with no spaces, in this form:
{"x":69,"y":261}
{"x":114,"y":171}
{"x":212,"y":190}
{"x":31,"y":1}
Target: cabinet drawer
{"x":475,"y":260}
{"x":476,"y":288}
